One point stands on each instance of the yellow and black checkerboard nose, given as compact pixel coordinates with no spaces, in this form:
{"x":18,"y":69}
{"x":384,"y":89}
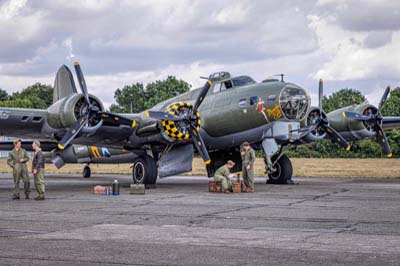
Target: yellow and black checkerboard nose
{"x":171,"y":128}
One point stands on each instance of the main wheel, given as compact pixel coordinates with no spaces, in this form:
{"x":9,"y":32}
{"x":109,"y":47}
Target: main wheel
{"x":144,"y":170}
{"x":283,"y":173}
{"x":86,"y":173}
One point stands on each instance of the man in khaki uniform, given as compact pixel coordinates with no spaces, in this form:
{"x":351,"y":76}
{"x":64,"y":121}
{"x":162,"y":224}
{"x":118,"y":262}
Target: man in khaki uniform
{"x":223,"y":175}
{"x":248,"y":158}
{"x":38,"y":163}
{"x":17,"y":159}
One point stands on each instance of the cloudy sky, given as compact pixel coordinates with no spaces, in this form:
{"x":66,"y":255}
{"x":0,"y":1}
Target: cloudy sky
{"x":347,"y":43}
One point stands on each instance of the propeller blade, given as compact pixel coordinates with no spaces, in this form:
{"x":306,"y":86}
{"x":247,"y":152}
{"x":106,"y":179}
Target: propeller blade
{"x":356,"y":116}
{"x":114,"y":119}
{"x":201,"y":96}
{"x":384,"y":97}
{"x":200,"y":147}
{"x":381,"y":137}
{"x":306,"y":130}
{"x":81,"y":80}
{"x":320,"y":93}
{"x":72,"y":132}
{"x":335,"y":136}
{"x":162,"y":116}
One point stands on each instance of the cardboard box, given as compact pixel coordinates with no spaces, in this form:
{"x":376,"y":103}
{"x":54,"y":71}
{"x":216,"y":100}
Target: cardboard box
{"x":137,"y":189}
{"x":214,"y":186}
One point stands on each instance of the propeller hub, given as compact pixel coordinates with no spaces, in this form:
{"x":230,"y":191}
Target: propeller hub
{"x":181,"y":130}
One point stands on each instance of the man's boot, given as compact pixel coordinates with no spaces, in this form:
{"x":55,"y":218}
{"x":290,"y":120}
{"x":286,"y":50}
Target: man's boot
{"x":15,"y":197}
{"x":39,"y":198}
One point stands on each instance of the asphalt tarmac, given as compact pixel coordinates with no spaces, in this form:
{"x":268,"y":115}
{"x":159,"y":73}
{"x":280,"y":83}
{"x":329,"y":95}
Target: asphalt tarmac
{"x":316,"y":222}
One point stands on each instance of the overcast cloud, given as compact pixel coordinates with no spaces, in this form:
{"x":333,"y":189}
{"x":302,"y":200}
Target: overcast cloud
{"x":347,"y":43}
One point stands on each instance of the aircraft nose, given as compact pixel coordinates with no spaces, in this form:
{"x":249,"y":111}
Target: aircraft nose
{"x":294,"y":102}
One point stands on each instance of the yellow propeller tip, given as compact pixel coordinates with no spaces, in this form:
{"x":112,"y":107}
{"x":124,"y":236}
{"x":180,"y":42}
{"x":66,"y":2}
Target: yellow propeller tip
{"x":209,"y":82}
{"x":321,"y":80}
{"x":133,"y":123}
{"x":207,"y":162}
{"x":343,"y":114}
{"x":61,"y":147}
{"x":390,"y":155}
{"x":76,"y":63}
{"x":348,"y":148}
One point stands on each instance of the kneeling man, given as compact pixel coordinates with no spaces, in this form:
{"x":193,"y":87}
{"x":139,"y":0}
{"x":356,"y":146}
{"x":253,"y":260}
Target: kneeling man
{"x":223,"y":175}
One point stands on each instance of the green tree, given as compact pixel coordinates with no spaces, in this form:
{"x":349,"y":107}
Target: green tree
{"x":135,"y":98}
{"x":391,"y":107}
{"x":4,"y":95}
{"x":40,"y":95}
{"x":162,"y":90}
{"x":129,"y":99}
{"x":18,"y":103}
{"x":342,"y":98}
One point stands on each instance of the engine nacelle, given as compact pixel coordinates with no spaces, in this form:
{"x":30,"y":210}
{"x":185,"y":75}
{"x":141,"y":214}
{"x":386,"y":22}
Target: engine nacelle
{"x":312,"y":117}
{"x":351,"y":128}
{"x":67,"y":110}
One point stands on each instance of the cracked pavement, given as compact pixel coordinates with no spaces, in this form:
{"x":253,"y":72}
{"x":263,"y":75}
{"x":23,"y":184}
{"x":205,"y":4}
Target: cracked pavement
{"x":317,"y":222}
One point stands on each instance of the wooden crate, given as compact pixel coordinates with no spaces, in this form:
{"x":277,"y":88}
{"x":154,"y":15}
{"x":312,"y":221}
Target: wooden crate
{"x":214,"y":186}
{"x":237,"y":187}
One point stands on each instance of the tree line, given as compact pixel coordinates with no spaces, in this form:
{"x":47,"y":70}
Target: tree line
{"x":138,"y":97}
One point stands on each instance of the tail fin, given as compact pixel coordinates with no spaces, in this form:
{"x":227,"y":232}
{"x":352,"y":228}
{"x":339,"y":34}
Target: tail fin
{"x":64,"y":84}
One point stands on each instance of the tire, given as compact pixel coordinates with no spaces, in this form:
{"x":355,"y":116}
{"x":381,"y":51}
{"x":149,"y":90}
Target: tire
{"x":144,"y":171}
{"x":284,"y":171}
{"x":87,"y":172}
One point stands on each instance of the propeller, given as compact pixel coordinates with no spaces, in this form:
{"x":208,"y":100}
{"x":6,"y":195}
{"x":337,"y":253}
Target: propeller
{"x":323,"y":123}
{"x":90,"y":112}
{"x":373,"y":119}
{"x":159,"y":115}
{"x":190,"y":119}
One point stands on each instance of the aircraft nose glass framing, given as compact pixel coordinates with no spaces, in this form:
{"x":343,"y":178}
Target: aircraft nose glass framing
{"x":294,"y":102}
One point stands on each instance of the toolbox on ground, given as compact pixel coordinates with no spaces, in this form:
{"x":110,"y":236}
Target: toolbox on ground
{"x":138,"y":189}
{"x":214,"y":186}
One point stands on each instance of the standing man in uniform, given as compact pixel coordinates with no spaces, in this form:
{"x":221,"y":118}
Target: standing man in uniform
{"x":17,"y":159}
{"x":223,"y":175}
{"x":248,"y":158}
{"x":38,"y":169}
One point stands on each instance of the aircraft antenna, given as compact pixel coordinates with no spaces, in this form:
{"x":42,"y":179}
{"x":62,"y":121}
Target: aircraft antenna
{"x":280,"y":75}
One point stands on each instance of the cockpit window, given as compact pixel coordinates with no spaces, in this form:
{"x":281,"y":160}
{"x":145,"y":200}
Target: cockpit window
{"x":294,"y":102}
{"x":242,"y":81}
{"x":223,"y":86}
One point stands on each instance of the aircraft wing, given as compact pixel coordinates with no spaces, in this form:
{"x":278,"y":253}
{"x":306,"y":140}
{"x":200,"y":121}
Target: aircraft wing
{"x":391,"y":122}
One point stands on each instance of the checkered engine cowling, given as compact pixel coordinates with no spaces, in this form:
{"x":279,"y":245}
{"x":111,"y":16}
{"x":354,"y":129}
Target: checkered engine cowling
{"x":180,"y":130}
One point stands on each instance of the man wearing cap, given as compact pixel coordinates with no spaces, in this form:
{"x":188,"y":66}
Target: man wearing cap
{"x":223,"y":175}
{"x":17,"y":159}
{"x":248,"y":158}
{"x":38,"y":169}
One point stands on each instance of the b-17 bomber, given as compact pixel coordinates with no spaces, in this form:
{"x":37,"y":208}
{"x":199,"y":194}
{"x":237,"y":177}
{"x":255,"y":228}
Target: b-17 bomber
{"x":212,"y":121}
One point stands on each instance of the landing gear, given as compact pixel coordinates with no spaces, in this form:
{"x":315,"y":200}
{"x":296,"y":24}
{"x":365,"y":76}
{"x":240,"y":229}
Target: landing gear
{"x":144,"y":170}
{"x":283,"y":172}
{"x":86,"y":171}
